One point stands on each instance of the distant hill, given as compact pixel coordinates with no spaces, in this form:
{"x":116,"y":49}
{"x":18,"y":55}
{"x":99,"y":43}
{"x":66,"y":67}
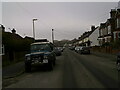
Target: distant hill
{"x":60,"y":43}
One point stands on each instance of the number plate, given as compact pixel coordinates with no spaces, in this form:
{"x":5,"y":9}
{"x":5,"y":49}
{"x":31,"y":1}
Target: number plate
{"x":36,"y":61}
{"x":45,"y":61}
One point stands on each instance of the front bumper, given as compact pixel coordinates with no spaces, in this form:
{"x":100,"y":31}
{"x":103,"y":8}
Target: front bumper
{"x":44,"y":61}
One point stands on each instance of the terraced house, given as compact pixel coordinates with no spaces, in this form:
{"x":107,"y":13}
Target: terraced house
{"x":107,"y":32}
{"x":110,"y":30}
{"x":117,"y":26}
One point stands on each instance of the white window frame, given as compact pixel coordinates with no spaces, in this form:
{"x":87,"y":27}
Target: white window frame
{"x":118,"y":22}
{"x":109,"y":29}
{"x":114,"y":33}
{"x":101,"y":32}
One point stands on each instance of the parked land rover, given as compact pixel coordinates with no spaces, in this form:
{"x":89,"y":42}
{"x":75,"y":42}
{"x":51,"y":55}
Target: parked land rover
{"x":40,"y":53}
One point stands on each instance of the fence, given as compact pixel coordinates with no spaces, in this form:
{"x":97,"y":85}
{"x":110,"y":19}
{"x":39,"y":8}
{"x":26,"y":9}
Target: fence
{"x":106,"y":49}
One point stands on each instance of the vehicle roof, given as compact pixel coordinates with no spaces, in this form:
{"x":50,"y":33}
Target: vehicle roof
{"x":41,"y":43}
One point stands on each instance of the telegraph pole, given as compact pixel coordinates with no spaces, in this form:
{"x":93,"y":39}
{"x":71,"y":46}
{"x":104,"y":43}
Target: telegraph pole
{"x":53,"y":36}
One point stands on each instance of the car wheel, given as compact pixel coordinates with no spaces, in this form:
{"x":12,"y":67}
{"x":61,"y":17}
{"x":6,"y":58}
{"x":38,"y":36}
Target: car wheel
{"x":27,"y":67}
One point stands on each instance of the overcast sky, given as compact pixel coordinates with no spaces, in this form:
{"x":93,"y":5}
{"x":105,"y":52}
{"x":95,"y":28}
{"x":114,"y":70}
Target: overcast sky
{"x":68,"y":19}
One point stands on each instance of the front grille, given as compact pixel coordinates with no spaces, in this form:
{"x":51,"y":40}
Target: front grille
{"x":37,"y":57}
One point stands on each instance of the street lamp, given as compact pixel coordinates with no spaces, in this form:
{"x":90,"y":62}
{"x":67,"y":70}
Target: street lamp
{"x":53,"y":36}
{"x":34,"y":28}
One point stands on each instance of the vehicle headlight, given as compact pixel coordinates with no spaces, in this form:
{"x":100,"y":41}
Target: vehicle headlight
{"x":27,"y":58}
{"x":45,"y":57}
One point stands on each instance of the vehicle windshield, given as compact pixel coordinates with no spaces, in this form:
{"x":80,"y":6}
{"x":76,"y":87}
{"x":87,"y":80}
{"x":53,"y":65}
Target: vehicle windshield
{"x":40,"y":47}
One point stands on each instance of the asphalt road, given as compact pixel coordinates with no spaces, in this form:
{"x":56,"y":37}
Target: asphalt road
{"x":72,"y":70}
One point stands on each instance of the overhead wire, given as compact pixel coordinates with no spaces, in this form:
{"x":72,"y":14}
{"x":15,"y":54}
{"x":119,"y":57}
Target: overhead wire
{"x":29,"y":14}
{"x":26,"y":11}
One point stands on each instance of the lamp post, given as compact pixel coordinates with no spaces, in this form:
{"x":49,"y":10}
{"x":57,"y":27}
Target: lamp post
{"x":34,"y":28}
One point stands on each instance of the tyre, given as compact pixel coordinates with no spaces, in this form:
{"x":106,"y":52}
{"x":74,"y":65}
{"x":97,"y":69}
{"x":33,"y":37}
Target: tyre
{"x":27,"y":67}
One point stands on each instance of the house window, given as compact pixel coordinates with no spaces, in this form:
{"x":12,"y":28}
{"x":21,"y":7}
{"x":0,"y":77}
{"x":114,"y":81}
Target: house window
{"x":109,"y":39}
{"x":106,"y":31}
{"x":101,"y":32}
{"x":118,"y":22}
{"x":114,"y":35}
{"x":105,"y":39}
{"x":2,"y":50}
{"x":109,"y":29}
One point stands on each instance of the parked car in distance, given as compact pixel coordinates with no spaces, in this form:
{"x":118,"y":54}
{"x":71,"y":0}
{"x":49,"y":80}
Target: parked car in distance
{"x":40,"y":53}
{"x":84,"y":50}
{"x":60,"y":48}
{"x":57,"y":51}
{"x":72,"y":47}
{"x":77,"y":49}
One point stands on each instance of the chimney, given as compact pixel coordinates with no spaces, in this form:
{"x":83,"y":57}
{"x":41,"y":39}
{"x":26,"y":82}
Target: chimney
{"x":113,"y":13}
{"x":92,"y":28}
{"x":14,"y":31}
{"x":3,"y":28}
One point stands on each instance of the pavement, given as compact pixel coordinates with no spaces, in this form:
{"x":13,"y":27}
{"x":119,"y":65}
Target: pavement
{"x":113,"y":57}
{"x":13,"y":70}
